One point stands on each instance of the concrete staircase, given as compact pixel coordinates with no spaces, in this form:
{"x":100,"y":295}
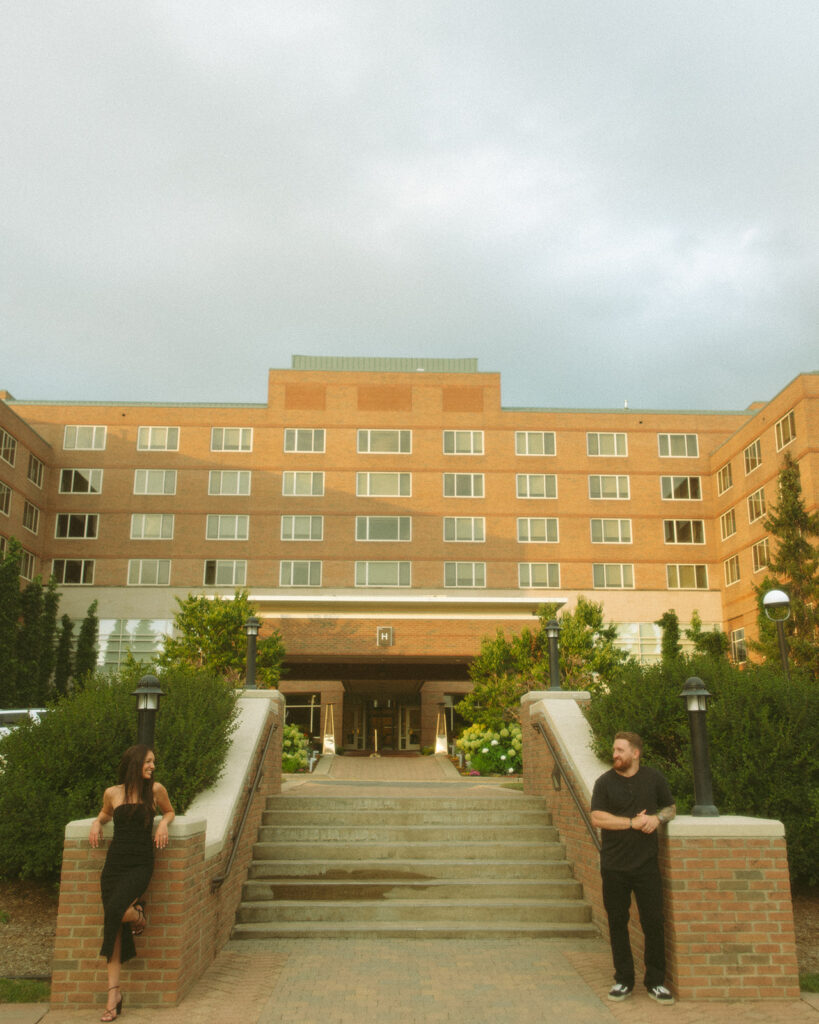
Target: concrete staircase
{"x":448,"y":867}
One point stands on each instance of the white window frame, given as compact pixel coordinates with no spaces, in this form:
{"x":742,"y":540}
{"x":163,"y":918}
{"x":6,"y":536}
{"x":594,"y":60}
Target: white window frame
{"x":222,"y":439}
{"x":93,"y":479}
{"x":465,"y":575}
{"x":369,"y":441}
{"x":619,"y":531}
{"x":728,"y":523}
{"x":145,"y":481}
{"x":28,"y":564}
{"x":752,"y":456}
{"x":528,"y":573}
{"x":71,"y":521}
{"x":606,"y":444}
{"x":218,"y":477}
{"x":613,"y":576}
{"x":525,"y":483}
{"x":463,"y":442}
{"x":302,"y":528}
{"x":290,"y":567}
{"x":732,"y":571}
{"x":454,"y":483}
{"x":364,"y":527}
{"x":525,"y":442}
{"x":689,"y":443}
{"x":31,"y":517}
{"x":141,"y":569}
{"x":83,"y":567}
{"x":599,"y":482}
{"x":725,"y":478}
{"x":739,"y":649}
{"x":785,"y":430}
{"x":676,"y":525}
{"x":158,"y":439}
{"x":674,"y":573}
{"x":5,"y":499}
{"x":74,"y":441}
{"x":757,"y":506}
{"x":464,"y":529}
{"x":36,"y":470}
{"x":232,"y":570}
{"x":8,"y":447}
{"x":383,"y":485}
{"x":304,"y":439}
{"x":529,"y":525}
{"x":303,"y":483}
{"x":152,"y":526}
{"x":761,"y":554}
{"x":227,"y":527}
{"x":403,"y":573}
{"x":668,"y":484}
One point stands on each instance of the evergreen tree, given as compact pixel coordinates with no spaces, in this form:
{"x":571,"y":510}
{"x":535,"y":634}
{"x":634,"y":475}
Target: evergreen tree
{"x":794,"y":568}
{"x":9,"y":616}
{"x":713,"y":642}
{"x":63,"y":661}
{"x":669,"y":623}
{"x":48,"y":634}
{"x":85,"y":657}
{"x":29,"y":630}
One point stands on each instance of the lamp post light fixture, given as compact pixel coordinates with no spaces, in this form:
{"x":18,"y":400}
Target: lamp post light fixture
{"x":553,"y":632}
{"x":696,"y":698}
{"x":147,"y":693}
{"x":252,"y":629}
{"x":777,"y":607}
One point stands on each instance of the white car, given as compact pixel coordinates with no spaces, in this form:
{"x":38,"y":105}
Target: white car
{"x":14,"y":716}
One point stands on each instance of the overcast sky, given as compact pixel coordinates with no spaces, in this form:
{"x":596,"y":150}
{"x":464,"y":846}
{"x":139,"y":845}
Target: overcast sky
{"x":603,"y":201}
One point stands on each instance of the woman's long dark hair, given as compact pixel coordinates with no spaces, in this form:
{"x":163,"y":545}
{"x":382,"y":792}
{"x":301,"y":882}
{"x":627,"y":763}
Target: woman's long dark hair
{"x":138,"y":790}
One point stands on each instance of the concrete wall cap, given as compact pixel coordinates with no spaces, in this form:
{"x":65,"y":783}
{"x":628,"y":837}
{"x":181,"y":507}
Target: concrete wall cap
{"x":535,"y":695}
{"x":727,"y":826}
{"x":181,"y":827}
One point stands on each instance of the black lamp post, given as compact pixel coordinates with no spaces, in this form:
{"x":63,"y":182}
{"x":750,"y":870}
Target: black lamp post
{"x":553,"y":632}
{"x":696,"y":697}
{"x":252,"y":630}
{"x":777,"y":607}
{"x":147,"y":694}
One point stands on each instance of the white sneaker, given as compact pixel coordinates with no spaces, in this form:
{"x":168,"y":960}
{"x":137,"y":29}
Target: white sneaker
{"x":661,"y":994}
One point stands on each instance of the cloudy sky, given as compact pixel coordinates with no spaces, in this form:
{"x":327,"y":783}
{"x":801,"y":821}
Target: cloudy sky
{"x":603,"y":201}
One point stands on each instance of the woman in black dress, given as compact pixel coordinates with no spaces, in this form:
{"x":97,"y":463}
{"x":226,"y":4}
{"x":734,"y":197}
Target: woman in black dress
{"x":129,"y":863}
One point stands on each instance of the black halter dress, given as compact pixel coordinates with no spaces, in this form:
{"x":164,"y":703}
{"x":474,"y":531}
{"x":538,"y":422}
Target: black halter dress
{"x":126,"y":874}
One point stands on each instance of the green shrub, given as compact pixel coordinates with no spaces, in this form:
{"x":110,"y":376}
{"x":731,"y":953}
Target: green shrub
{"x":763,"y":737}
{"x":492,"y":751}
{"x":294,"y":749}
{"x":55,"y":771}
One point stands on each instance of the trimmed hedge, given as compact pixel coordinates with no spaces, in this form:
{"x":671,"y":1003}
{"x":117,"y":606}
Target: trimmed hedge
{"x":763,"y":734}
{"x":55,"y":771}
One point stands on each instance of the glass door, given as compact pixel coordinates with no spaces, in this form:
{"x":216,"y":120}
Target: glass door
{"x":409,"y":727}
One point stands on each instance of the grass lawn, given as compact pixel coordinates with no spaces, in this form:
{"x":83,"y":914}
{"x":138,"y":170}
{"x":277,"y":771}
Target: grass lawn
{"x":24,"y":990}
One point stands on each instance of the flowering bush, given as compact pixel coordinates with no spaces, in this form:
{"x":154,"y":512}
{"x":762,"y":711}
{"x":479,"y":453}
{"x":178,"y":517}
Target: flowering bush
{"x":492,"y":752}
{"x":294,"y":749}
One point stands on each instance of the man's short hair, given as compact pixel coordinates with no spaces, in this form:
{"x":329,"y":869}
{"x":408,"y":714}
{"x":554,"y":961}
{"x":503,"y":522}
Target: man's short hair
{"x":632,"y":738}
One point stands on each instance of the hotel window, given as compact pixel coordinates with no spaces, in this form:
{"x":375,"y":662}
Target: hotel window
{"x":8,"y":448}
{"x":300,"y":574}
{"x":383,"y":528}
{"x":84,"y":438}
{"x":785,"y":430}
{"x":225,"y":573}
{"x":739,"y":651}
{"x":5,"y":498}
{"x":31,"y":517}
{"x":687,"y":577}
{"x":73,"y":526}
{"x":158,"y":439}
{"x":539,"y":574}
{"x":302,"y":528}
{"x":155,"y":481}
{"x":463,"y":442}
{"x":229,"y":481}
{"x":761,"y":554}
{"x":611,"y":531}
{"x":80,"y":481}
{"x":728,"y":524}
{"x":613,"y":577}
{"x":609,"y":487}
{"x":536,"y":485}
{"x":731,"y":567}
{"x":227,"y":527}
{"x":535,"y":442}
{"x":151,"y":526}
{"x":385,"y":442}
{"x":752,"y":456}
{"x":464,"y":574}
{"x":383,"y":485}
{"x":303,"y":484}
{"x":35,"y":470}
{"x":684,"y":531}
{"x":725,"y":479}
{"x":756,"y":505}
{"x":149,"y":572}
{"x":382,"y":574}
{"x":680,"y":488}
{"x":73,"y":571}
{"x":606,"y":444}
{"x":231,"y":439}
{"x":465,"y":528}
{"x":463,"y":485}
{"x":683,"y":446}
{"x":303,"y":440}
{"x":537,"y":531}
{"x":28,"y":565}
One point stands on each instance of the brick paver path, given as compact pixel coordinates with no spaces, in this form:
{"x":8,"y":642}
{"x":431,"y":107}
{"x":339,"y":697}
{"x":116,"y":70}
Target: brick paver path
{"x":392,"y":769}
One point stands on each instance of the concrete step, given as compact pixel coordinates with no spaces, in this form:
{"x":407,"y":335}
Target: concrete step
{"x":411,"y":889}
{"x":386,"y":803}
{"x":498,"y":929}
{"x":408,"y":870}
{"x":342,"y":850}
{"x":491,"y":817}
{"x":430,"y":911}
{"x":390,"y":833}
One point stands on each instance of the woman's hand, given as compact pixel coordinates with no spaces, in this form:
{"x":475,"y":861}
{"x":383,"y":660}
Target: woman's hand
{"x":95,"y":834}
{"x":161,"y":836}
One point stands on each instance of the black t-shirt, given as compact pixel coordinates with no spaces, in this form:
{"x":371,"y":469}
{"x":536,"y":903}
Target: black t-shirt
{"x":627,"y":796}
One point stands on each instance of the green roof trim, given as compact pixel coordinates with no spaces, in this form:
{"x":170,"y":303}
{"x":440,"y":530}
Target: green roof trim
{"x":378,"y":364}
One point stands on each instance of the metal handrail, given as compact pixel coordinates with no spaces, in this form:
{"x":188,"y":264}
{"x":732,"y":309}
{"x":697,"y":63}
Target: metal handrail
{"x":216,"y":883}
{"x":561,"y":774}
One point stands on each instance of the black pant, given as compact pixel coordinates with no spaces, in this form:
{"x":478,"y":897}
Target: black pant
{"x":646,"y":884}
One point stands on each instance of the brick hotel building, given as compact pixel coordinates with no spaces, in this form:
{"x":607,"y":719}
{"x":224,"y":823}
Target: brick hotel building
{"x":386,"y":514}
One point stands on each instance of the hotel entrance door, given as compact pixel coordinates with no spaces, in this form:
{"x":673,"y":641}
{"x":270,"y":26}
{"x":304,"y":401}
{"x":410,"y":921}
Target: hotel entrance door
{"x":381,"y":729}
{"x":409,"y":727}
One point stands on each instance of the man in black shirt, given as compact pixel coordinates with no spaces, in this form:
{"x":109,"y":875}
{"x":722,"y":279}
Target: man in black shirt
{"x":629,"y":803}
